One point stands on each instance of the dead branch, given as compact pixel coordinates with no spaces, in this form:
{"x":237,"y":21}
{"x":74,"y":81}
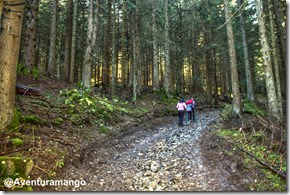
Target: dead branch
{"x":26,"y":90}
{"x":271,"y":168}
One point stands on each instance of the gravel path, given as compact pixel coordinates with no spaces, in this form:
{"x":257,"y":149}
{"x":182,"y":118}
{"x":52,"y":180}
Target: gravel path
{"x":164,"y":157}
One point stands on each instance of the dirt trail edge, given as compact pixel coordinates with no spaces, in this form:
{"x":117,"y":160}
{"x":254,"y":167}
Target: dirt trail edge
{"x":156,"y":157}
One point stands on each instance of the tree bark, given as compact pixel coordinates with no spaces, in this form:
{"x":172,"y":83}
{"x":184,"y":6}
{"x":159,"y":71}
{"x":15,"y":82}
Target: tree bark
{"x":276,"y":59}
{"x":222,"y":67}
{"x":123,"y":44}
{"x":73,"y":67}
{"x":215,"y":76}
{"x":113,"y":49}
{"x":237,"y":104}
{"x":269,"y":78}
{"x":108,"y":45}
{"x":208,"y":71}
{"x":167,"y":74}
{"x":30,"y":40}
{"x":138,"y":68}
{"x":133,"y":66}
{"x":250,"y":89}
{"x":280,"y":19}
{"x":68,"y":41}
{"x":156,"y":82}
{"x":91,"y":41}
{"x":281,"y":24}
{"x":11,"y":24}
{"x":52,"y":46}
{"x":118,"y":42}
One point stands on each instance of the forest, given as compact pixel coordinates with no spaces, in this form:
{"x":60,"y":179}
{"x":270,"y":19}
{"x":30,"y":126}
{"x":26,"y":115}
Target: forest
{"x":88,"y":91}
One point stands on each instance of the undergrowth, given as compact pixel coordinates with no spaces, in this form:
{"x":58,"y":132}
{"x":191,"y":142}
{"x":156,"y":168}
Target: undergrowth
{"x":84,"y":107}
{"x":258,"y":141}
{"x":249,"y":107}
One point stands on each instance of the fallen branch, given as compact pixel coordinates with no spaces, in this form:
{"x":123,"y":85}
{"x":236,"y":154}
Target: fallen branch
{"x":41,"y":169}
{"x":63,"y":143}
{"x":16,"y":151}
{"x":26,"y":90}
{"x":271,"y":168}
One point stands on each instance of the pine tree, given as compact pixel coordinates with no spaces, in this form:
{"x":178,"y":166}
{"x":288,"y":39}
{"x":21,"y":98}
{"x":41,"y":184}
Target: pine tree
{"x":269,"y":78}
{"x":11,"y":25}
{"x":237,"y":104}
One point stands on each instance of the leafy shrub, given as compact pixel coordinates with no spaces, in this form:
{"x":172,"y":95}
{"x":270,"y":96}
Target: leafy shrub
{"x":254,"y":109}
{"x":227,"y":111}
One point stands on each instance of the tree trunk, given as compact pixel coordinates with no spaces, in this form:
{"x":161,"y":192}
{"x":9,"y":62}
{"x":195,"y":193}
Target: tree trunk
{"x":123,"y":44}
{"x":73,"y":44}
{"x":161,"y":68}
{"x":11,"y":24}
{"x":156,"y":83}
{"x":237,"y":104}
{"x":276,"y":59}
{"x":228,"y":73}
{"x":222,"y":67}
{"x":280,"y":19}
{"x":1,"y":7}
{"x":30,"y":40}
{"x":113,"y":49}
{"x":91,"y":41}
{"x":108,"y":45}
{"x":167,"y":74}
{"x":194,"y":65}
{"x":269,"y":78}
{"x":52,"y":47}
{"x":208,"y":71}
{"x":68,"y":41}
{"x":215,"y":77}
{"x":138,"y":45}
{"x":250,"y":89}
{"x":179,"y":55}
{"x":281,"y":28}
{"x":133,"y":66}
{"x":118,"y":44}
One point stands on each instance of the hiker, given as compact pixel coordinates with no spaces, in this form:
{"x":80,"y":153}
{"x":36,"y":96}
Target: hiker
{"x":181,"y":107}
{"x":193,"y":103}
{"x":189,"y":111}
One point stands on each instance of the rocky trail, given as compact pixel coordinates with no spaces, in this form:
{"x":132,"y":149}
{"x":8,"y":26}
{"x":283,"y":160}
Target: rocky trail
{"x":156,"y":157}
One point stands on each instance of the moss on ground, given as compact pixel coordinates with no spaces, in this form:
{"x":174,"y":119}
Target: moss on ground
{"x":15,"y":123}
{"x":31,"y":119}
{"x":252,"y":108}
{"x":15,"y":168}
{"x":227,"y":111}
{"x":249,"y":107}
{"x":83,"y":107}
{"x":17,"y":142}
{"x":248,"y":141}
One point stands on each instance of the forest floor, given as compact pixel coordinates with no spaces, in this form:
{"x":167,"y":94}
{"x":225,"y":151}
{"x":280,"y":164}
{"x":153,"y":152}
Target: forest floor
{"x":126,"y":147}
{"x":156,"y":156}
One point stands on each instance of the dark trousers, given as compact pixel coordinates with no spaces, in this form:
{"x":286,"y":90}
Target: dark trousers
{"x":193,"y":114}
{"x":190,"y":115}
{"x":180,"y":116}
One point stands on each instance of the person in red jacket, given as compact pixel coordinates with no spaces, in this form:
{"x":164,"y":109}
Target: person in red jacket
{"x":189,"y":111}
